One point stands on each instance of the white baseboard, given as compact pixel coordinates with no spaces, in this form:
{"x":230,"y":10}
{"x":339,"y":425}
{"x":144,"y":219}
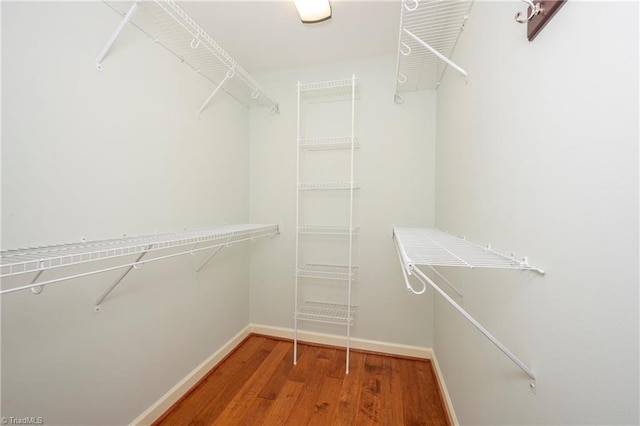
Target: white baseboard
{"x":154,"y":412}
{"x":181,"y":388}
{"x":333,"y":340}
{"x":443,"y":389}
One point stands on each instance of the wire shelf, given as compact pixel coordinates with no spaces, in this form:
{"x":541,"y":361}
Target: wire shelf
{"x":437,"y":23}
{"x":327,"y":186}
{"x":427,"y":246}
{"x":328,"y":143}
{"x":327,"y":230}
{"x":332,"y":313}
{"x":171,"y":27}
{"x":328,"y":272}
{"x":35,"y":259}
{"x":330,"y":91}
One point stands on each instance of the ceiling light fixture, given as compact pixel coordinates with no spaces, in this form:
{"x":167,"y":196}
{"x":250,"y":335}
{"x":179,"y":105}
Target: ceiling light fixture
{"x":312,"y":11}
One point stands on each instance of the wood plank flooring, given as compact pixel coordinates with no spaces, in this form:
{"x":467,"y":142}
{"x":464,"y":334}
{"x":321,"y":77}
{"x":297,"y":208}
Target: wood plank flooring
{"x":259,"y":385}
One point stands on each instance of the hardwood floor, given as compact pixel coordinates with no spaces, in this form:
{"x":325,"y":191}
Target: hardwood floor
{"x":259,"y":385}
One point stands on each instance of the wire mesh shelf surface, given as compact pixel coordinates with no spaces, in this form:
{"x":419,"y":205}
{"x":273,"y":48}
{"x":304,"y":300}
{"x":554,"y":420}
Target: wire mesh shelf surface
{"x":332,"y":313}
{"x":328,"y":143}
{"x":427,"y":246}
{"x":167,"y":24}
{"x":20,"y":261}
{"x":327,"y":230}
{"x":327,"y":186}
{"x":327,"y":272}
{"x":437,"y":23}
{"x":330,"y":91}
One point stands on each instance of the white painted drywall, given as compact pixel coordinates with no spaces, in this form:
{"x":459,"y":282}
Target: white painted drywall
{"x":538,"y":154}
{"x":97,"y":154}
{"x":395,"y":169}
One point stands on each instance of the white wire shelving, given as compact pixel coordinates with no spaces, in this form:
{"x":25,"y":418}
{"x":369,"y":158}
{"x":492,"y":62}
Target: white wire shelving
{"x":327,"y":230}
{"x":170,"y":26}
{"x":327,"y":186}
{"x":433,"y":248}
{"x":328,"y":272}
{"x":329,"y":91}
{"x":328,"y":143}
{"x":346,"y":90}
{"x":37,"y":260}
{"x":429,"y":31}
{"x":427,"y":246}
{"x":331,"y":313}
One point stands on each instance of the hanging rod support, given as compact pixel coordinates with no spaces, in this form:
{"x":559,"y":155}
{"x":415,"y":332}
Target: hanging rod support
{"x":454,"y":288}
{"x":115,"y":35}
{"x":38,"y":289}
{"x":406,"y":271}
{"x":229,"y":75}
{"x":208,"y":259}
{"x":435,"y":52}
{"x":136,"y":265}
{"x":426,"y":280}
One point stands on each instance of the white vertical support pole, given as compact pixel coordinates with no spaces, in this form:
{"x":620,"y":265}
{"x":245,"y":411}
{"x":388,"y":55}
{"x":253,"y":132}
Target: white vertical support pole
{"x":295,"y":291}
{"x":435,"y":52}
{"x":229,"y":75}
{"x":115,"y":35}
{"x":350,"y":271}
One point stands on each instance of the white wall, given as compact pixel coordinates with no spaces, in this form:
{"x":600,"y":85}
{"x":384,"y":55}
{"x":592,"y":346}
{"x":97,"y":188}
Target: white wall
{"x":97,"y":154}
{"x":396,"y":175}
{"x":538,"y":154}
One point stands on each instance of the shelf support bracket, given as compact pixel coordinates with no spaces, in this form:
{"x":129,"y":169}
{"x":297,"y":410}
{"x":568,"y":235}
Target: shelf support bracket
{"x":451,"y":286}
{"x":426,"y":280}
{"x":229,"y":75}
{"x":208,"y":259}
{"x":115,"y":35}
{"x":435,"y":52}
{"x":136,"y":265}
{"x":37,"y":289}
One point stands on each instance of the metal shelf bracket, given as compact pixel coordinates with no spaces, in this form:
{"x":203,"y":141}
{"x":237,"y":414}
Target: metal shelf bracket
{"x":211,"y":257}
{"x":37,"y":289}
{"x":426,"y":280}
{"x":136,"y":265}
{"x":228,"y":76}
{"x":410,"y":268}
{"x":432,"y":50}
{"x":115,"y":35}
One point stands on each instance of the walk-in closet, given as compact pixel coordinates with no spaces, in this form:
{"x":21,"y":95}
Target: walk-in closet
{"x":381,"y":212}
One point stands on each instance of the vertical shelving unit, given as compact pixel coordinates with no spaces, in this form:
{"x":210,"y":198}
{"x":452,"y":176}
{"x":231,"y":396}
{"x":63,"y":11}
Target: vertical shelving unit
{"x":325,"y":268}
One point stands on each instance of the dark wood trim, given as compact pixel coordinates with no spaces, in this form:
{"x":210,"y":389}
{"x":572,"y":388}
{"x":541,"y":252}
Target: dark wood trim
{"x":548,"y":10}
